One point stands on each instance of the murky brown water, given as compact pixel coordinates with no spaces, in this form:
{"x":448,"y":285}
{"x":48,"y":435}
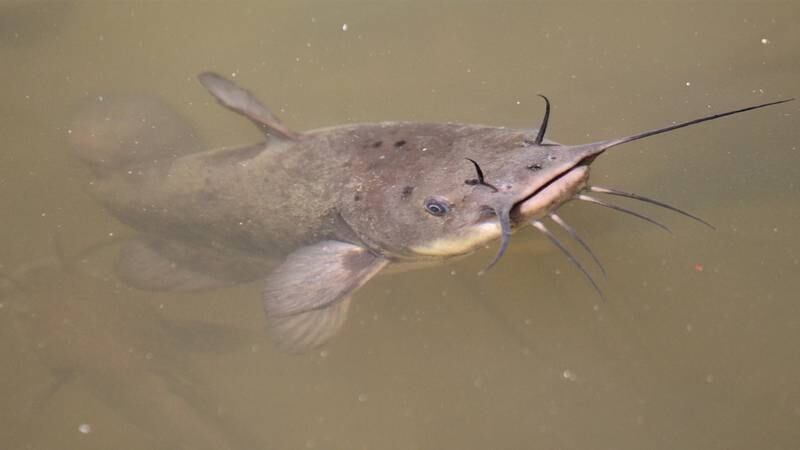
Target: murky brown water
{"x":697,"y":347}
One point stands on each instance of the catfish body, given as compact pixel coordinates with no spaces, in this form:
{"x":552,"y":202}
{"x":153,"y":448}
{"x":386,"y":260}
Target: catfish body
{"x":343,"y":183}
{"x":331,"y":207}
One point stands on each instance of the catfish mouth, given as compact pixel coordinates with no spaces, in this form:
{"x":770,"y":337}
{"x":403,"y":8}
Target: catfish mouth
{"x":550,"y":195}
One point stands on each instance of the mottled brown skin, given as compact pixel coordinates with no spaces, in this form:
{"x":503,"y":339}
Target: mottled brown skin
{"x":363,"y":184}
{"x":339,"y":204}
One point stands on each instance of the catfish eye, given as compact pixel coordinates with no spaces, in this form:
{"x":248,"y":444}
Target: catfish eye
{"x":437,"y":206}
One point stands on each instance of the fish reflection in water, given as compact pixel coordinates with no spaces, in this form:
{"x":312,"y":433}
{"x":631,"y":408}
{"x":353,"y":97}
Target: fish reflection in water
{"x":76,"y":331}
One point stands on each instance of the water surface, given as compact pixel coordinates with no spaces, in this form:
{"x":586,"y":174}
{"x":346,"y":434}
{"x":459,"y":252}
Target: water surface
{"x":695,"y":349}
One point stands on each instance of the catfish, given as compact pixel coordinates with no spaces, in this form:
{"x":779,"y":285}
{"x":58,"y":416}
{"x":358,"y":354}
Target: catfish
{"x":319,"y":213}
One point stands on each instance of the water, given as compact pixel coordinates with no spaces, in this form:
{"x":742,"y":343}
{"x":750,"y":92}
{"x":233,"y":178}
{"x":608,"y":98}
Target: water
{"x":695,"y":349}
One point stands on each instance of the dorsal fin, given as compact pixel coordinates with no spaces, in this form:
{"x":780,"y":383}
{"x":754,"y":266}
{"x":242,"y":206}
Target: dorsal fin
{"x":242,"y":101}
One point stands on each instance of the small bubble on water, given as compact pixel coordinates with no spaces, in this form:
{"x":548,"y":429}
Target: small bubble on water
{"x":85,"y":428}
{"x":363,"y":398}
{"x":344,"y":27}
{"x":688,"y":83}
{"x":765,"y":41}
{"x":569,"y":375}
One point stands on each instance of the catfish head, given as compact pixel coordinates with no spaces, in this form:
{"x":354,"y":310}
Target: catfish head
{"x":451,"y":195}
{"x":453,"y":188}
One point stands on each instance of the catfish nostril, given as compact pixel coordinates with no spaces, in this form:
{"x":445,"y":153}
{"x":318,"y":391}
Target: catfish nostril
{"x":536,"y":166}
{"x":551,"y":157}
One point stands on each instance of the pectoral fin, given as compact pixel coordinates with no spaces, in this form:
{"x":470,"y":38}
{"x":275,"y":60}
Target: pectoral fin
{"x":307,"y":297}
{"x":242,"y":101}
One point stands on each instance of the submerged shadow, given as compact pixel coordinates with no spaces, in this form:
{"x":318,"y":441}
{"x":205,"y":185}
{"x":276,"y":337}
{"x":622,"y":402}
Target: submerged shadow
{"x":66,"y":328}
